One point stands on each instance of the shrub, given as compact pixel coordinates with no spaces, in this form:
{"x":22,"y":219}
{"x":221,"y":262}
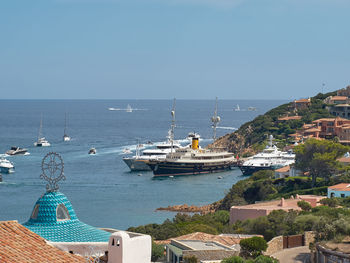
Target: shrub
{"x":305,"y":206}
{"x":234,"y":259}
{"x":331,"y":202}
{"x":265,"y":259}
{"x":190,"y":259}
{"x":253,"y":246}
{"x":157,"y":251}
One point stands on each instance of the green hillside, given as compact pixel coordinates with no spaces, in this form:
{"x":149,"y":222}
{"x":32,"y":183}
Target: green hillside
{"x":252,"y":136}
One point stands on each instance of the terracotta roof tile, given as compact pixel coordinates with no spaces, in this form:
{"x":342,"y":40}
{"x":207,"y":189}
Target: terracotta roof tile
{"x":339,"y":98}
{"x":222,"y":239}
{"x":302,"y":101}
{"x":340,"y":187}
{"x":283,"y":169}
{"x":287,"y":118}
{"x":18,"y":244}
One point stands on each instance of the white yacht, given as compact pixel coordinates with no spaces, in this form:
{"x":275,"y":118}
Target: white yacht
{"x":193,"y":161}
{"x":41,"y":142}
{"x":269,"y":159}
{"x":139,"y":161}
{"x":66,"y":138}
{"x":6,"y":166}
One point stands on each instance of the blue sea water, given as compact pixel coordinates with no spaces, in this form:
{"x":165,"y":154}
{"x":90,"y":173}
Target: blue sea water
{"x":102,"y":190}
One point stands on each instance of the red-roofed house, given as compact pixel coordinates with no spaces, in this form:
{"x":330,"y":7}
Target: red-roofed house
{"x":339,"y":190}
{"x":302,"y":104}
{"x":20,"y":245}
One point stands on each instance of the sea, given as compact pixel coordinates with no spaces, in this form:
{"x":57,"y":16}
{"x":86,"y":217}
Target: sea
{"x":102,"y":190}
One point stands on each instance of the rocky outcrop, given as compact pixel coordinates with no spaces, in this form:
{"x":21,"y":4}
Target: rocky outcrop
{"x":188,"y":209}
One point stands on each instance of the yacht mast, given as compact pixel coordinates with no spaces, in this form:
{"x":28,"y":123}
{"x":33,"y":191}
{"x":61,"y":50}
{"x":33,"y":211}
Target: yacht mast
{"x":65,"y":124}
{"x":172,"y":125}
{"x":41,"y":127}
{"x":215,"y":119}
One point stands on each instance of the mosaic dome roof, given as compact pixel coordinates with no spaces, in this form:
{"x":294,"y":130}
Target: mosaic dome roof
{"x":54,"y":219}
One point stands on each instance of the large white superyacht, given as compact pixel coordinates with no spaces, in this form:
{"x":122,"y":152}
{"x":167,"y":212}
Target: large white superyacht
{"x":269,"y":159}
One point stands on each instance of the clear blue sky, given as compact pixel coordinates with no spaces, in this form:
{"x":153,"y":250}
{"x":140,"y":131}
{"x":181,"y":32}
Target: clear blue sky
{"x":120,"y":49}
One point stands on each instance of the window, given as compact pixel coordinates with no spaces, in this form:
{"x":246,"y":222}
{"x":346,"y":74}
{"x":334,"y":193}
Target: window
{"x":35,"y":212}
{"x":62,"y":212}
{"x":342,"y":195}
{"x":332,"y":195}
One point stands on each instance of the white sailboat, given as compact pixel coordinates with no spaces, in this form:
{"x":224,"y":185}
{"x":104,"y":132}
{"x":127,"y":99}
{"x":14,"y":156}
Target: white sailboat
{"x":237,"y":108}
{"x":128,"y":108}
{"x":41,"y":142}
{"x":66,"y":138}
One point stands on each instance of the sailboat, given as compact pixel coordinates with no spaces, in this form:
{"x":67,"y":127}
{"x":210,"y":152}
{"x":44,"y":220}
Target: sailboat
{"x":237,"y":108}
{"x":66,"y":138}
{"x":41,"y":142}
{"x":128,"y":108}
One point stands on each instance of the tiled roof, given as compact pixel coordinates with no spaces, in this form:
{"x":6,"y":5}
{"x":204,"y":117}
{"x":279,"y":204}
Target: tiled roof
{"x":72,"y":230}
{"x":283,"y":169}
{"x":340,"y":187}
{"x":344,"y":159}
{"x":20,"y":245}
{"x":224,"y":240}
{"x":287,"y":118}
{"x":339,"y":98}
{"x":302,"y":101}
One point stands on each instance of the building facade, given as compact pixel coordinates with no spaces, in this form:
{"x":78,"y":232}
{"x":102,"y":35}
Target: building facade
{"x":339,"y":190}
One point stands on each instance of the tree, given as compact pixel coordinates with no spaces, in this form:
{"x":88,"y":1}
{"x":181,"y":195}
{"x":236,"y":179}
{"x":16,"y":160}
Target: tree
{"x":253,"y":246}
{"x":233,"y":259}
{"x":305,"y":206}
{"x":157,"y":251}
{"x":319,"y":158}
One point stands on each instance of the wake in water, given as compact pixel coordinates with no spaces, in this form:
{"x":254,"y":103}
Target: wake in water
{"x":226,"y":128}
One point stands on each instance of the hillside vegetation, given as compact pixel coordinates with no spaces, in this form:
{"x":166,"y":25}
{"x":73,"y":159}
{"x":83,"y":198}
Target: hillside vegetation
{"x":250,"y":137}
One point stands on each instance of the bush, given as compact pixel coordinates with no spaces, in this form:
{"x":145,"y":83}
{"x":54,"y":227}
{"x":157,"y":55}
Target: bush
{"x":265,"y":259}
{"x":253,"y":246}
{"x":157,"y":251}
{"x":190,"y":259}
{"x":305,"y":206}
{"x":234,"y":259}
{"x":331,"y":202}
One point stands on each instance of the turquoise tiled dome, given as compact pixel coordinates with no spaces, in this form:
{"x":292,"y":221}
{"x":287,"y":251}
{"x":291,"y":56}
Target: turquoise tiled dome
{"x":44,"y":222}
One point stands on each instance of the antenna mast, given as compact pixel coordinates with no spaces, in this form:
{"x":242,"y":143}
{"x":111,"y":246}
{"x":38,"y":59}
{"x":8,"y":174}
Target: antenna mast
{"x":172,"y":125}
{"x":215,"y":119}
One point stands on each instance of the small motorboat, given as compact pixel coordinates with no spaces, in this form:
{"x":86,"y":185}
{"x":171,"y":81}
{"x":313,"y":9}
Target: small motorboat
{"x":92,"y":151}
{"x":17,"y":151}
{"x":6,"y":166}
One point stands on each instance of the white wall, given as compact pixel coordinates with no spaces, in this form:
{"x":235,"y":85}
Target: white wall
{"x":125,"y":248}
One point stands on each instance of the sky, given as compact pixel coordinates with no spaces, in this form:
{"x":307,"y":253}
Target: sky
{"x":161,"y":49}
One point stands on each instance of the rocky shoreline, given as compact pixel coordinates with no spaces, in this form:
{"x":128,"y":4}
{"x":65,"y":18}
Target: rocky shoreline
{"x":189,"y":209}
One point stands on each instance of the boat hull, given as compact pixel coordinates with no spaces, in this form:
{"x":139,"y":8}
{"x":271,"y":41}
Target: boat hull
{"x":137,"y":164}
{"x":162,"y":169}
{"x":249,"y":170}
{"x":6,"y":170}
